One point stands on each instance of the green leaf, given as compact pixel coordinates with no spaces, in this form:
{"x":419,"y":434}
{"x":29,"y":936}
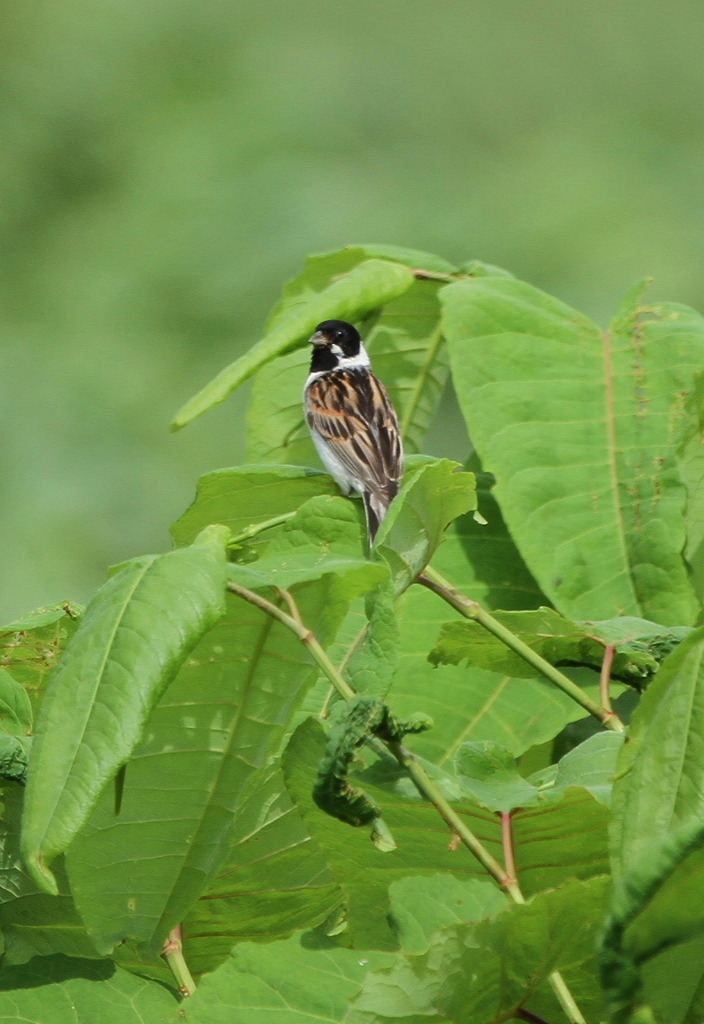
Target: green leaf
{"x":15,"y":706}
{"x":373,"y":661}
{"x":691,"y":466}
{"x":248,"y":498}
{"x":415,"y":258}
{"x":31,"y":646}
{"x":275,"y":879}
{"x":421,"y":904}
{"x":468,"y":703}
{"x":581,"y":430}
{"x":654,"y":807}
{"x":281,"y":983}
{"x":14,"y":756}
{"x":489,"y":773}
{"x":434,"y":496}
{"x":131,"y":642}
{"x":591,"y":765}
{"x":14,"y":880}
{"x":323,"y":538}
{"x":674,"y":983}
{"x":43,"y":617}
{"x":216,"y":729}
{"x":36,"y":924}
{"x":482,"y":560}
{"x":484,"y":973}
{"x":658,"y":817}
{"x":65,"y":990}
{"x":366,"y":287}
{"x":640,"y":645}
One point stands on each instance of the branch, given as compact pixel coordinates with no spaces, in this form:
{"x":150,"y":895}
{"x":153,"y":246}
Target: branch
{"x":476,"y":613}
{"x":425,"y":786}
{"x":302,"y":632}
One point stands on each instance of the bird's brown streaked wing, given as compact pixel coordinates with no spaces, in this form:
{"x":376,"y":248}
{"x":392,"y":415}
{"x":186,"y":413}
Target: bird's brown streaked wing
{"x":354,"y":414}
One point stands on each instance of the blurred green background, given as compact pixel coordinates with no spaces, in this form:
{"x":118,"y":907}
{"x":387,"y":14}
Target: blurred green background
{"x":166,"y":165}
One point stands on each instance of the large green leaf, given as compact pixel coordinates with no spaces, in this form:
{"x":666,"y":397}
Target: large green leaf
{"x":366,"y":287}
{"x":274,"y":880}
{"x":131,"y":642}
{"x":247,"y":498}
{"x":421,"y":904}
{"x":472,"y":704}
{"x":217,"y":727}
{"x":581,"y":429}
{"x":64,"y":990}
{"x":658,"y":824}
{"x":216,"y":730}
{"x":673,"y":983}
{"x":281,"y":983}
{"x":14,"y":880}
{"x":484,"y":973}
{"x":482,"y":560}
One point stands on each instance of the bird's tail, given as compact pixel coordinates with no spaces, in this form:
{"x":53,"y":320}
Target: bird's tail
{"x":376,"y":506}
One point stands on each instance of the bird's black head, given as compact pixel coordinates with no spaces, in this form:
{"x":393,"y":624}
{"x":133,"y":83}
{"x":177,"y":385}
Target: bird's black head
{"x":340,"y":337}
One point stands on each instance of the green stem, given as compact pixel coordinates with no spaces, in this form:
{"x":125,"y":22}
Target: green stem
{"x":173,"y":954}
{"x":473,"y":610}
{"x":256,"y":528}
{"x":565,"y":998}
{"x":557,"y":982}
{"x":304,"y":634}
{"x":427,"y":788}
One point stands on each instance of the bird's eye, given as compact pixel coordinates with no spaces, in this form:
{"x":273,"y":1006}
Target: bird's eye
{"x":339,"y":335}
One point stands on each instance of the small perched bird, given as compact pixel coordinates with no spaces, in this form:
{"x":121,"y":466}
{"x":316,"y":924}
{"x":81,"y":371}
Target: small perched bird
{"x":353,"y":423}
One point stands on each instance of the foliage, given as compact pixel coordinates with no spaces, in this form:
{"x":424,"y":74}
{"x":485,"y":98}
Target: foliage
{"x":213,"y":702}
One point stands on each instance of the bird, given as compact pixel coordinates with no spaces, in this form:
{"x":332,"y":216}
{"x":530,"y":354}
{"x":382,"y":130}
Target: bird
{"x":352,"y":420}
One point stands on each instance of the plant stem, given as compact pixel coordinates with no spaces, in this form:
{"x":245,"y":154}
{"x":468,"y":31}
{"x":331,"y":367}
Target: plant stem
{"x":507,"y":843}
{"x":475,"y":612}
{"x":256,"y":528}
{"x":605,"y":676}
{"x":565,"y":998}
{"x":173,"y":954}
{"x":304,"y":634}
{"x":427,"y":788}
{"x":423,"y":783}
{"x":557,"y":983}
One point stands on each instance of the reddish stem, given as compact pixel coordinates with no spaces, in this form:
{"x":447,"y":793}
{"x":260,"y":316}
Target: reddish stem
{"x":605,"y":677}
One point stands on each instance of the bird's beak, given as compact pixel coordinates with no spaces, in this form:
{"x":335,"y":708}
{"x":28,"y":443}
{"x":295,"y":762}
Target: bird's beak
{"x":319,"y":339}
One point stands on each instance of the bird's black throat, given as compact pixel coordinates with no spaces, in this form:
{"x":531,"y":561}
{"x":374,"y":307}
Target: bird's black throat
{"x":323,"y":359}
